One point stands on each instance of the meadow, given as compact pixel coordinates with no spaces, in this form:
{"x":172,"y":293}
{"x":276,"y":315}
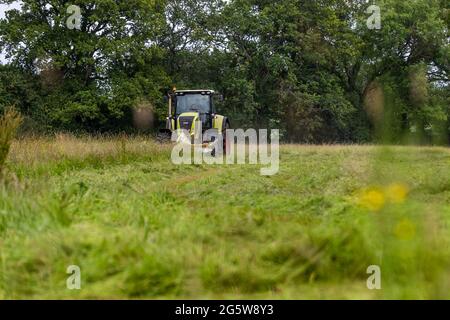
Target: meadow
{"x":140,"y":227}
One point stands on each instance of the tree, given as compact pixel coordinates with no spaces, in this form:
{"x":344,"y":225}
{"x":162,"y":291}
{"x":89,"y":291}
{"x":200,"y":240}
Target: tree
{"x":310,"y":68}
{"x":83,"y":73}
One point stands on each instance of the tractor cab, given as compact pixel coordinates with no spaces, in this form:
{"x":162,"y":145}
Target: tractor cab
{"x":190,"y":104}
{"x":190,"y":107}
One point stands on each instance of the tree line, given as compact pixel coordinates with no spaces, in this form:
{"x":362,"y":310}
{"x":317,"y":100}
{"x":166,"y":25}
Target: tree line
{"x":313,"y":69}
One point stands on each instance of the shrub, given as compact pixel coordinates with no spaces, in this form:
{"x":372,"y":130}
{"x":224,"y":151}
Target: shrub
{"x":9,"y":123}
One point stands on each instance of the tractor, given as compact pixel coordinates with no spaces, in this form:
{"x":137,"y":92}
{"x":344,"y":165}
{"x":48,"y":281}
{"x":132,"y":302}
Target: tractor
{"x":188,"y":108}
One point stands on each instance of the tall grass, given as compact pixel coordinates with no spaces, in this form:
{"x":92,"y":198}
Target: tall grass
{"x":140,"y":227}
{"x":9,"y":123}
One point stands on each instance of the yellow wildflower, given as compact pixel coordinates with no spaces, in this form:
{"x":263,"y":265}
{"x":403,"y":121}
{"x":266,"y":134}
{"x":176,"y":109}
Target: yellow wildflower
{"x":397,"y":193}
{"x":372,"y":199}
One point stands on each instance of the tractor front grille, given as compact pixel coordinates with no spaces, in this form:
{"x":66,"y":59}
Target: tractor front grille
{"x":186,"y":123}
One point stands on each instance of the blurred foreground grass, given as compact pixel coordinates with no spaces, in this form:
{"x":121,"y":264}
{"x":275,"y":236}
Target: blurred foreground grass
{"x":140,"y":227}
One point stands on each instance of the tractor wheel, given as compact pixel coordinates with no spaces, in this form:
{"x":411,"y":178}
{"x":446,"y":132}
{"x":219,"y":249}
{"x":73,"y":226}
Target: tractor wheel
{"x":226,"y":147}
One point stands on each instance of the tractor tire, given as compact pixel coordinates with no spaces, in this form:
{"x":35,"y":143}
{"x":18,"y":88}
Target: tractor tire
{"x":226,"y":146}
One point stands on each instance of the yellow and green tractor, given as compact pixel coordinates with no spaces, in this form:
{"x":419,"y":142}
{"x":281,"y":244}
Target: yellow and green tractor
{"x":191,"y":108}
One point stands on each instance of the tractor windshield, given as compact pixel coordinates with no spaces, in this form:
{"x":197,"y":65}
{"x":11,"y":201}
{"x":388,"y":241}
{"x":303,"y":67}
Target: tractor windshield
{"x":193,"y":102}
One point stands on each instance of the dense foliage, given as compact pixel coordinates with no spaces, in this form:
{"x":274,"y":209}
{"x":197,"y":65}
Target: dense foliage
{"x":310,"y":68}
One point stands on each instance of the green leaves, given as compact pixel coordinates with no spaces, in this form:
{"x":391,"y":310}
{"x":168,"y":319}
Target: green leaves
{"x":304,"y":66}
{"x":77,"y":70}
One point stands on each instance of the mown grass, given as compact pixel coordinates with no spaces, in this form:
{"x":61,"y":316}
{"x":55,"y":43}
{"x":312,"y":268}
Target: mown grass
{"x":140,"y":227}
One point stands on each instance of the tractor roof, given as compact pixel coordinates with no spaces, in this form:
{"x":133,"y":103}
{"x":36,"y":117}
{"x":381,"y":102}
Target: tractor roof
{"x":195,"y":91}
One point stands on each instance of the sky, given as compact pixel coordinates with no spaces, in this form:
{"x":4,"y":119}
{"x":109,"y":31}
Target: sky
{"x":3,"y":9}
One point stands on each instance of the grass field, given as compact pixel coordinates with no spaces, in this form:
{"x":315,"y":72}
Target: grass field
{"x":140,"y":227}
